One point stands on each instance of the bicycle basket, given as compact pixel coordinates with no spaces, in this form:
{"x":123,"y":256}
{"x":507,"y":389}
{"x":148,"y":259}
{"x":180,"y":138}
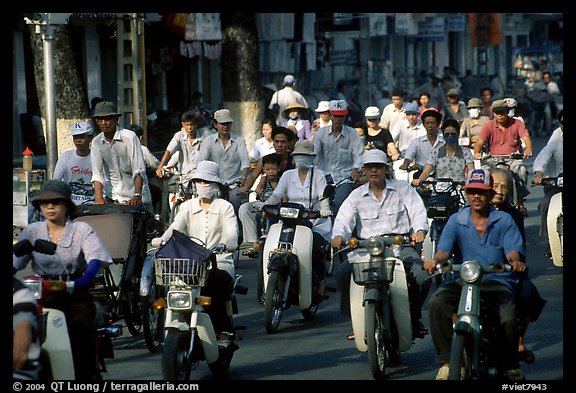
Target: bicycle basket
{"x":374,"y":271}
{"x":182,"y":258}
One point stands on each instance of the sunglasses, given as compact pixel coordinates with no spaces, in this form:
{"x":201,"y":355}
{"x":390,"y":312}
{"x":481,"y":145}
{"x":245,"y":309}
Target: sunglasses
{"x":55,"y":202}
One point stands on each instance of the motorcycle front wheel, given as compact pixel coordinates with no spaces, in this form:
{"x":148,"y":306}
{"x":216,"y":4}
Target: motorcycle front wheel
{"x":152,"y":318}
{"x":274,"y":304}
{"x":375,"y":334}
{"x":175,"y":366}
{"x":460,"y":358}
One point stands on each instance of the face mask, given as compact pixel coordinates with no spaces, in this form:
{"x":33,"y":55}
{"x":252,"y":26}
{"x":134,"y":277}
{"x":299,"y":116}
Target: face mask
{"x":474,"y":112}
{"x":207,"y":191}
{"x":511,"y":113}
{"x":303,"y":161}
{"x":294,"y":117}
{"x":451,"y":139}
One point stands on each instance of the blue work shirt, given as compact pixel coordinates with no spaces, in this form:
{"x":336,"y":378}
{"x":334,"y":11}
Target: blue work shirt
{"x":502,"y":236}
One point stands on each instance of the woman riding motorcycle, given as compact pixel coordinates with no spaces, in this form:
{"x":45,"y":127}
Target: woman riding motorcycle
{"x":299,"y":186}
{"x":78,"y":257}
{"x":211,"y":220}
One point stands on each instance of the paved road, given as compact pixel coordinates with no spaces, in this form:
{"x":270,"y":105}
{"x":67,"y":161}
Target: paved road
{"x":318,"y":350}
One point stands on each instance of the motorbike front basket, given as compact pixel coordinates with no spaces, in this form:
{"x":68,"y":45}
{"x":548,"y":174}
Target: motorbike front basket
{"x":374,"y":271}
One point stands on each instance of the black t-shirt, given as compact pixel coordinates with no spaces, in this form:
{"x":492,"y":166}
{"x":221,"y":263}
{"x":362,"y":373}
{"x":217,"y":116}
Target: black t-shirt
{"x":380,"y":140}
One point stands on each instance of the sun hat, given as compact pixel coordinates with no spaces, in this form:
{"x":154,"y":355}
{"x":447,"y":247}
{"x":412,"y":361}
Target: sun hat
{"x":432,"y":112}
{"x":479,"y":178}
{"x":375,"y":156}
{"x":511,"y":102}
{"x":474,"y":103}
{"x":207,"y":171}
{"x":500,"y":105}
{"x":323,"y":106}
{"x":105,"y":109}
{"x":452,"y":92}
{"x":304,"y":147}
{"x":372,"y":112}
{"x":411,"y":109}
{"x":294,"y":105}
{"x":338,"y":107}
{"x":81,"y":128}
{"x":223,"y":116}
{"x":55,"y":189}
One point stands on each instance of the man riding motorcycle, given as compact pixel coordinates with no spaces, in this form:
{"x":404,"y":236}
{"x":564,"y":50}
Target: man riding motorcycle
{"x":480,"y":233}
{"x":384,"y":206}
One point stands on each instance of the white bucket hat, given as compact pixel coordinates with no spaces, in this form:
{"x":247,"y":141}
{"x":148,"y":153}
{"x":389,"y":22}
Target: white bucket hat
{"x":375,"y":156}
{"x":323,"y":106}
{"x":207,"y":171}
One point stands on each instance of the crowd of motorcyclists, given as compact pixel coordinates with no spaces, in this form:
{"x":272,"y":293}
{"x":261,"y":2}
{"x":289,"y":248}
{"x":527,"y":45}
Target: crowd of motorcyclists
{"x":368,"y":200}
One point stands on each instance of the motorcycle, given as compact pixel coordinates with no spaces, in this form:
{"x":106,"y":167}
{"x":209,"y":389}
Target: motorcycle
{"x":379,"y":304}
{"x":56,"y":351}
{"x":555,"y":220}
{"x":181,"y":268}
{"x":442,"y":198}
{"x":473,"y":353}
{"x":287,"y":263}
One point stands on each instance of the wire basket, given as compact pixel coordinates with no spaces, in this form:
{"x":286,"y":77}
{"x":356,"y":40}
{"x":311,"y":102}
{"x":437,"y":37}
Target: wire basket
{"x":170,"y":271}
{"x":375,"y":271}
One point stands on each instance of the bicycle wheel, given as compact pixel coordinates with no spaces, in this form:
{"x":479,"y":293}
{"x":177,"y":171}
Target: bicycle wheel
{"x":153,"y":318}
{"x":132,"y":306}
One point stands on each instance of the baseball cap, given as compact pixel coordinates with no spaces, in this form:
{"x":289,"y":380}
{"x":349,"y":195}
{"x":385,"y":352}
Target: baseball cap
{"x":372,"y":112}
{"x":479,"y":178}
{"x":411,"y":109}
{"x":289,"y":79}
{"x":338,"y":107}
{"x":82,"y":127}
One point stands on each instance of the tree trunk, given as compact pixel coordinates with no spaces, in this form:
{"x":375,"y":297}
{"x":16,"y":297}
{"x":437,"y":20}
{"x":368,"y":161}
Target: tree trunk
{"x":240,"y":74}
{"x":70,"y":93}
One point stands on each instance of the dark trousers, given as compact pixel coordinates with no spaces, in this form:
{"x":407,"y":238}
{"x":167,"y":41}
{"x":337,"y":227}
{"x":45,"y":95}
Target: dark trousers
{"x":444,"y":302}
{"x":80,"y":313}
{"x":219,"y":286}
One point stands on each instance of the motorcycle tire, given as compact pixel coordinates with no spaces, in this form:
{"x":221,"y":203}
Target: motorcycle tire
{"x":260,"y":279}
{"x":175,"y":366}
{"x":153,"y":319}
{"x":460,"y":368}
{"x":221,"y":366}
{"x":274,"y":304}
{"x":375,"y":339}
{"x":329,"y":261}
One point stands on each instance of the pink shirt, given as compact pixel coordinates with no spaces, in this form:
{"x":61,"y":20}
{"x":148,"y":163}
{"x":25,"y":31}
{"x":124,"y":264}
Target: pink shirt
{"x":505,"y":141}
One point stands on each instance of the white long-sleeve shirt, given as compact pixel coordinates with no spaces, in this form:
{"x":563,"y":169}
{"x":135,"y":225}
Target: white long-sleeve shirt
{"x":400,"y":211}
{"x":553,"y":152}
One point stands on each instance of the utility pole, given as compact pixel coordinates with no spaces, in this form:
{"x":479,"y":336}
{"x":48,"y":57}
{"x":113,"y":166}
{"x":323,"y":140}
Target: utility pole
{"x":364,"y":56}
{"x":45,"y":24}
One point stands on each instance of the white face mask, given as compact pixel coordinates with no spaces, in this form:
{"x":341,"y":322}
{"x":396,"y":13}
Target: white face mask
{"x":511,"y":112}
{"x":303,"y":161}
{"x":207,"y":191}
{"x":294,"y":117}
{"x":474,"y":112}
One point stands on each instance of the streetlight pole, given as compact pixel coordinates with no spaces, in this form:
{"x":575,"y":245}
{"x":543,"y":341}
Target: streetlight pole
{"x":51,"y":132}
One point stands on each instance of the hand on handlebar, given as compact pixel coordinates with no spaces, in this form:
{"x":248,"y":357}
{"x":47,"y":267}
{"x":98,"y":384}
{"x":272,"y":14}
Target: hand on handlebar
{"x":325,"y":213}
{"x":218,"y":248}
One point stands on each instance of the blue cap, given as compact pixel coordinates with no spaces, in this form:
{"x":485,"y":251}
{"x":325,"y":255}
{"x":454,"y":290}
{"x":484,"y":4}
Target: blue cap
{"x":411,"y":109}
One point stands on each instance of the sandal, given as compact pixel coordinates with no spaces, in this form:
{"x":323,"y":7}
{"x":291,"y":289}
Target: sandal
{"x":250,"y":253}
{"x":350,"y":336}
{"x":526,"y":356}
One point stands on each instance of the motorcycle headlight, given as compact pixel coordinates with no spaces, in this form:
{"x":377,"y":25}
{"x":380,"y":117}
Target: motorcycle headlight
{"x":470,"y":271}
{"x":375,"y":246}
{"x":289,"y":212}
{"x":179,"y":300}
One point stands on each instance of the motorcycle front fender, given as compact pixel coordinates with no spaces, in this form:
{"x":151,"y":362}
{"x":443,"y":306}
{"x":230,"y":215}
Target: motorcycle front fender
{"x":207,"y":337}
{"x":554,"y":211}
{"x":146,"y":276}
{"x":57,"y":345}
